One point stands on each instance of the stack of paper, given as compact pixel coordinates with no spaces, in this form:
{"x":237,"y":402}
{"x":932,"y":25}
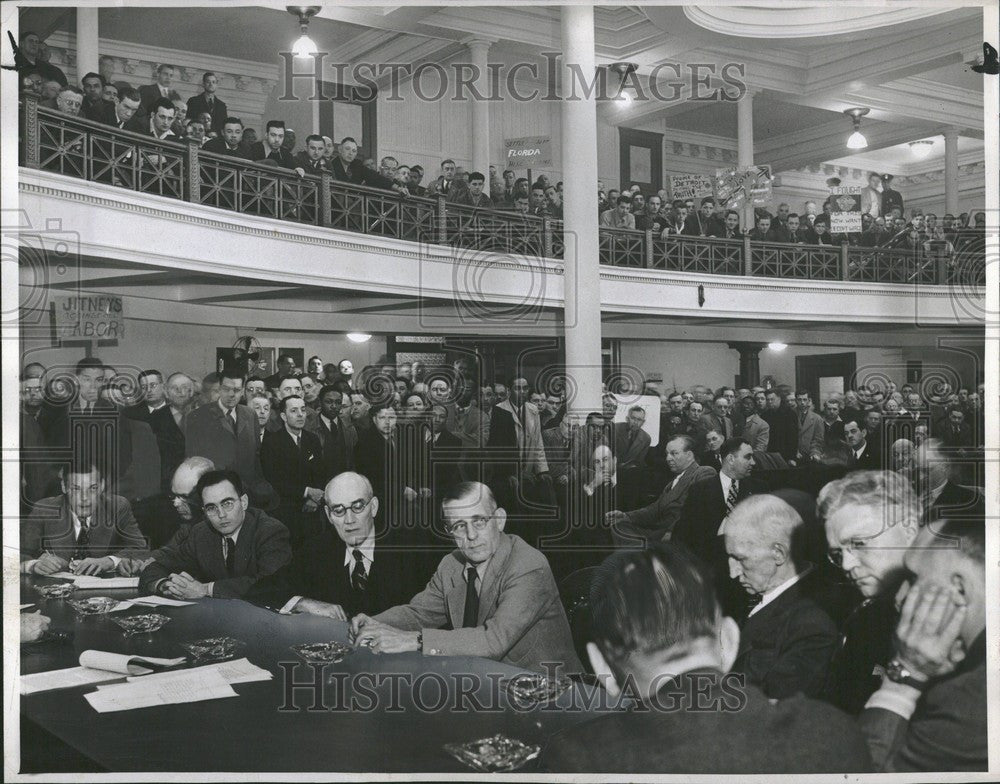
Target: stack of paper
{"x":236,"y":671}
{"x":95,"y":667}
{"x":86,"y":582}
{"x":159,"y":601}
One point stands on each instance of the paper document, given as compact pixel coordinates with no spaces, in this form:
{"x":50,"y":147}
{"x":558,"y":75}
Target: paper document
{"x":160,"y":601}
{"x":26,"y":606}
{"x":85,"y":582}
{"x":65,"y":679}
{"x":124,"y":663}
{"x":237,"y":671}
{"x":190,"y":686}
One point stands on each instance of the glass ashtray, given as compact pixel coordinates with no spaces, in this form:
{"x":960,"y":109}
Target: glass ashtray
{"x":95,"y":605}
{"x":322,"y":652}
{"x":529,"y":688}
{"x":141,"y":624}
{"x":495,"y":754}
{"x":214,"y":649}
{"x":55,"y":590}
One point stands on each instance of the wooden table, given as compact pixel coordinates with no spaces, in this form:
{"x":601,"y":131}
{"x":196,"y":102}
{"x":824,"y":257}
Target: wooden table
{"x":370,"y":713}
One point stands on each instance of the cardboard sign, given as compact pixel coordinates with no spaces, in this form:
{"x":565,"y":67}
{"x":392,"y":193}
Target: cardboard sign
{"x":737,"y":187}
{"x":90,"y":317}
{"x":531,"y":152}
{"x":845,"y":210}
{"x":690,"y":186}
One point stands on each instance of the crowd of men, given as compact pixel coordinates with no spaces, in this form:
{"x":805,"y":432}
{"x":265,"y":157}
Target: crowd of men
{"x":396,"y":497}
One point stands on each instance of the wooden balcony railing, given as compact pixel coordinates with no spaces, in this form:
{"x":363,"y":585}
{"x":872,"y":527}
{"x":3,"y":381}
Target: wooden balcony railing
{"x":87,"y":150}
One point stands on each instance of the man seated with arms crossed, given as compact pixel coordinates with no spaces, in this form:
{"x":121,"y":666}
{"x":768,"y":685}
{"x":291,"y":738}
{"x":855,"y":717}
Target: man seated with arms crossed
{"x":659,"y":636}
{"x":348,"y":567}
{"x":495,"y":592}
{"x":930,"y":712}
{"x":224,"y":554}
{"x":83,"y":530}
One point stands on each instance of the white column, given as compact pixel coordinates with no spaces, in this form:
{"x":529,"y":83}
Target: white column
{"x":744,"y":146}
{"x":582,"y":278}
{"x":951,"y":171}
{"x":478,"y":50}
{"x":87,"y":53}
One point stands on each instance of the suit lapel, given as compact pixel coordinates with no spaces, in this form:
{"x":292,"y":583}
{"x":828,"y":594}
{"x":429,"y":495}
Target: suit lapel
{"x":456,"y":595}
{"x":490,"y":587}
{"x":245,"y":544}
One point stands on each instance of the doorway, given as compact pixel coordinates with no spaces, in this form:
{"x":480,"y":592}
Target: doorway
{"x":825,"y":374}
{"x":641,"y":160}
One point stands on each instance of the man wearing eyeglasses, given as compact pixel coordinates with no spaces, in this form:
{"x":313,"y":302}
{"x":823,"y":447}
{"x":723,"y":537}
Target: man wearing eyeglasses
{"x":84,"y":530}
{"x":224,"y":554}
{"x":348,"y":567}
{"x":871,"y":518}
{"x":494,"y":597}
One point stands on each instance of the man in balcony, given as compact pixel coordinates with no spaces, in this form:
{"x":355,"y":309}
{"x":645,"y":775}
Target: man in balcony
{"x":311,"y":159}
{"x":443,"y":184}
{"x":871,"y":197}
{"x":819,"y":234}
{"x":151,"y":93}
{"x":94,"y":106}
{"x":272,"y":148}
{"x":27,"y":59}
{"x":762,"y":232}
{"x":69,"y":101}
{"x":474,"y":195}
{"x":416,"y":175}
{"x":347,"y":168}
{"x":674,"y":222}
{"x":208,"y":102}
{"x":703,"y":222}
{"x":730,"y":230}
{"x":230,"y":142}
{"x":621,"y":216}
{"x":891,"y":199}
{"x":125,"y":113}
{"x":161,"y":118}
{"x":793,"y":232}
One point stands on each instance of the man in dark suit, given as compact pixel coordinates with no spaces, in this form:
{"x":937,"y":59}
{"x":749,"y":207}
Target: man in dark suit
{"x":668,"y":644}
{"x":271,"y":148}
{"x":350,"y":566}
{"x":337,"y":436}
{"x":125,"y":114}
{"x":229,"y":141}
{"x":942,"y":497}
{"x":228,"y":434}
{"x":168,"y":422}
{"x":94,"y":106}
{"x":168,"y":517}
{"x":493,"y":597}
{"x":954,"y":431}
{"x":153,"y":396}
{"x":347,"y":168}
{"x":702,"y":223}
{"x":311,"y":159}
{"x":631,"y":441}
{"x":656,"y":522}
{"x":708,"y":503}
{"x":787,"y":640}
{"x":151,"y":93}
{"x":783,"y":436}
{"x":208,"y":102}
{"x":445,"y":452}
{"x":292,"y":461}
{"x":224,"y":554}
{"x":83,"y":530}
{"x":863,"y":456}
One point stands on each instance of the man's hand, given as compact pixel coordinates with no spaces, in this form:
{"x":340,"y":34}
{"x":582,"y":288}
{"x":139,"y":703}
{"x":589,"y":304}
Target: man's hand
{"x":614,"y":517}
{"x":184,"y":586}
{"x":50,"y":564}
{"x":358,"y":622}
{"x":315,"y":495}
{"x":563,"y":480}
{"x":927,"y":634}
{"x":409,"y":494}
{"x":129,"y":567}
{"x":314,"y":607}
{"x":92,"y":565}
{"x":300,"y":171}
{"x":387,"y":639}
{"x":425,"y":492}
{"x":33,"y":626}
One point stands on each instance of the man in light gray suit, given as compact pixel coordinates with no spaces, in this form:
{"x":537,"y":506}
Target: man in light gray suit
{"x":631,"y":441}
{"x":656,"y":521}
{"x":756,"y":431}
{"x":812,"y":430}
{"x":493,"y":597}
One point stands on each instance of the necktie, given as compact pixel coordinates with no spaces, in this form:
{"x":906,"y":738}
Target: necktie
{"x":734,"y":491}
{"x":231,"y":416}
{"x":230,"y":546}
{"x":470,"y":618}
{"x":359,"y":579}
{"x":82,"y":540}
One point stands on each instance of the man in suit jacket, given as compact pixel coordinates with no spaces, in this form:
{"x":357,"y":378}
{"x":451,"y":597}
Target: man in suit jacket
{"x":787,"y":639}
{"x":228,"y":434}
{"x":812,"y":431}
{"x":272,"y":149}
{"x":224,"y":554}
{"x":694,"y":715}
{"x":347,"y":168}
{"x":83,"y":530}
{"x":754,"y":429}
{"x":929,"y":715}
{"x":229,"y":141}
{"x":350,"y":566}
{"x":863,"y":456}
{"x":151,"y":93}
{"x":954,"y":431}
{"x":631,"y":441}
{"x":292,"y":462}
{"x":337,"y":436}
{"x":718,"y":419}
{"x":515,"y":427}
{"x":493,"y":597}
{"x":207,"y":101}
{"x":656,"y":522}
{"x":784,"y":434}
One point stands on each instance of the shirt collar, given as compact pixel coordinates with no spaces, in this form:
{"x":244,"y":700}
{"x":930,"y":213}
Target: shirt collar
{"x":77,"y":524}
{"x":480,"y":570}
{"x":367,"y":548}
{"x":223,"y":409}
{"x":235,"y":535}
{"x":296,"y":437}
{"x":774,"y":593}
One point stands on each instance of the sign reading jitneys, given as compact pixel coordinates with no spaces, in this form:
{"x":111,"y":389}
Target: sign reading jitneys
{"x":90,"y":317}
{"x":530,"y":152}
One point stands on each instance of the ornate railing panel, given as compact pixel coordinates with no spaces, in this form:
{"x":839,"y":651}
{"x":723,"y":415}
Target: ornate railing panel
{"x":80,"y":148}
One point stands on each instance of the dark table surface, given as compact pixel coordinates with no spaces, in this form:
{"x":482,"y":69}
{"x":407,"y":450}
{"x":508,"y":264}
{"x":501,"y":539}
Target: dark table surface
{"x":371,"y":713}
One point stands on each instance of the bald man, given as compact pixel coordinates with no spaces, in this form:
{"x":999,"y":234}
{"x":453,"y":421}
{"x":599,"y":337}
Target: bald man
{"x":354,"y":564}
{"x":787,"y":640}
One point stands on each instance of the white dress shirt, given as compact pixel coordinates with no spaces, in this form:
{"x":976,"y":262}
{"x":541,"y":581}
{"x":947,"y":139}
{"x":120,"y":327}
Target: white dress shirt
{"x":367,"y":548}
{"x":774,"y":593}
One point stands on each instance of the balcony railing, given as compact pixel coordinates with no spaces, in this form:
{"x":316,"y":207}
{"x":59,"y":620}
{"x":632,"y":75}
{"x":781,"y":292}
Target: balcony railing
{"x":80,"y":148}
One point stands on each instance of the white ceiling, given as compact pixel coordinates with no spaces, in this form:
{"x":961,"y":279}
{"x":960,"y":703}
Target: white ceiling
{"x":900,"y":159}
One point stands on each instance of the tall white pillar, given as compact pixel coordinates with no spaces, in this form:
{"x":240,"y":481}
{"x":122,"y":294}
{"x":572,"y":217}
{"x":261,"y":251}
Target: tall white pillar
{"x":478,"y":50}
{"x":951,"y":171}
{"x":744,"y":146}
{"x":87,"y":54}
{"x":582,"y":280}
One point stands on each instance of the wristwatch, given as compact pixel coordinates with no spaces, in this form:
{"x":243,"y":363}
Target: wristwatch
{"x":898,"y":673}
